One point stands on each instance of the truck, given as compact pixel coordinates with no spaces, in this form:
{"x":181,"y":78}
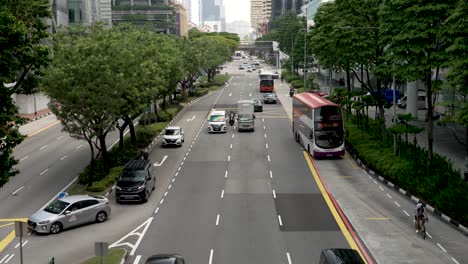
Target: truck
{"x":245,"y":115}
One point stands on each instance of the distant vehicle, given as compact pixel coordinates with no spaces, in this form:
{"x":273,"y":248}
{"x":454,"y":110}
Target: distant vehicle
{"x":165,"y":259}
{"x":318,"y":125}
{"x":422,"y":101}
{"x":135,"y":182}
{"x":266,"y":81}
{"x":340,"y":256}
{"x":173,"y":135}
{"x":269,"y":98}
{"x":258,"y":107}
{"x":254,"y":68}
{"x":387,"y":95}
{"x":241,"y":67}
{"x":245,"y":62}
{"x":275,"y":75}
{"x":245,"y":115}
{"x":217,"y":122}
{"x":249,"y":69}
{"x":70,"y":211}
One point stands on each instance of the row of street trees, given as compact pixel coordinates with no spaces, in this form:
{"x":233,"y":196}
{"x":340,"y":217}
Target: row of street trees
{"x":374,"y":40}
{"x":98,"y":78}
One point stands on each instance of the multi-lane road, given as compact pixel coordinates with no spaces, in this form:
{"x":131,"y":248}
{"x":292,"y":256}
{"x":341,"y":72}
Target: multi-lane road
{"x":228,"y":198}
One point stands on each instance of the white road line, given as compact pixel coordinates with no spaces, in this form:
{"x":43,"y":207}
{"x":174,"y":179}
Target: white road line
{"x":211,"y":257}
{"x":79,"y":146}
{"x":158,"y":164}
{"x":59,"y":137}
{"x":185,"y":158}
{"x":170,"y":186}
{"x":8,"y":259}
{"x":250,"y":94}
{"x":5,"y":257}
{"x":217,"y":219}
{"x":173,"y":179}
{"x":230,"y":146}
{"x":43,"y":147}
{"x":375,"y":182}
{"x":177,"y":173}
{"x":271,"y":174}
{"x":64,"y":157}
{"x":44,"y":171}
{"x":15,"y":192}
{"x":229,"y":158}
{"x":24,"y":158}
{"x":366,"y":173}
{"x":162,"y":201}
{"x":225,"y":174}
{"x":397,"y":204}
{"x":156,"y":211}
{"x":406,"y":213}
{"x":274,"y":194}
{"x":279,"y":219}
{"x":266,"y":145}
{"x":369,"y":177}
{"x":222,"y":194}
{"x":165,"y":194}
{"x":265,"y":135}
{"x":230,"y":94}
{"x":264,"y":127}
{"x":263,"y":120}
{"x":268,"y":156}
{"x":454,"y":260}
{"x":181,"y":164}
{"x":179,"y":169}
{"x":232,"y":135}
{"x":186,"y":154}
{"x":428,"y":235}
{"x":389,"y":196}
{"x":137,"y":259}
{"x":381,"y":188}
{"x":441,"y":247}
{"x":289,"y":258}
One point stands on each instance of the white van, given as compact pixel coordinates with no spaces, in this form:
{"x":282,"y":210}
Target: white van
{"x":217,"y":122}
{"x":422,"y":102}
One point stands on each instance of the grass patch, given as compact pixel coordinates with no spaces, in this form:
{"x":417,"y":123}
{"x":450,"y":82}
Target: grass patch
{"x":114,"y":257}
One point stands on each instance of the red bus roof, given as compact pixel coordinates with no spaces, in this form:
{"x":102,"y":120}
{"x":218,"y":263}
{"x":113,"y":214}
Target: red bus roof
{"x":313,"y":100}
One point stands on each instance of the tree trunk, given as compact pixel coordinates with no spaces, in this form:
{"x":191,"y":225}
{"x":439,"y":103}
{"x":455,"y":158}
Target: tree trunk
{"x":430,"y":135}
{"x":131,"y":127}
{"x":91,"y":163}
{"x":102,"y":143}
{"x":121,"y":133}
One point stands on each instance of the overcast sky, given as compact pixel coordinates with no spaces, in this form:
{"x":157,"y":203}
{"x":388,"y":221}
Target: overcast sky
{"x":237,"y":10}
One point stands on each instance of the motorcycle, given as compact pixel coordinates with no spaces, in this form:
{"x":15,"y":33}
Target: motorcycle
{"x":291,"y":93}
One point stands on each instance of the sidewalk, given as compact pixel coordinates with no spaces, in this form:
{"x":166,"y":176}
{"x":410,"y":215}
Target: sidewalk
{"x":38,"y":124}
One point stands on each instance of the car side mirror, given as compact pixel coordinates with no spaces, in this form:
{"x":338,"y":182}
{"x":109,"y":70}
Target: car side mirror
{"x":67,"y":212}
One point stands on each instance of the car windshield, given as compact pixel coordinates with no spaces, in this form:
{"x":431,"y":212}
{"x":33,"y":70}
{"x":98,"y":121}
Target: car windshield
{"x":162,"y":261}
{"x":172,"y":132}
{"x":269,"y":95}
{"x":133,"y":175}
{"x":245,"y":117}
{"x":217,"y":118}
{"x":56,"y":207}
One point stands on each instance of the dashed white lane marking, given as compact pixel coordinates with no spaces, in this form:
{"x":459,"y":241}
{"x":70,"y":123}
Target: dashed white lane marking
{"x":271,"y":174}
{"x":177,"y":173}
{"x":266,"y":145}
{"x":230,"y":146}
{"x":264,"y":127}
{"x":217,"y":219}
{"x":5,"y":257}
{"x":186,"y":154}
{"x":289,"y":258}
{"x":454,"y":260}
{"x":406,"y":213}
{"x":211,"y":257}
{"x":268,"y":156}
{"x":64,"y":157}
{"x":232,"y":135}
{"x":181,"y":164}
{"x":279,"y":220}
{"x":162,"y":201}
{"x":8,"y":259}
{"x":230,"y":94}
{"x":24,"y":243}
{"x":397,"y":204}
{"x":156,"y":211}
{"x":265,"y":135}
{"x":44,"y":171}
{"x":389,"y":196}
{"x":43,"y":147}
{"x":179,"y":168}
{"x":173,"y":179}
{"x":375,"y":182}
{"x":222,"y":194}
{"x":137,"y":259}
{"x":274,"y":194}
{"x":429,"y":235}
{"x":59,"y":137}
{"x":24,"y":158}
{"x":263,"y":120}
{"x":15,"y":192}
{"x":366,"y":173}
{"x":441,"y":247}
{"x":381,"y":188}
{"x":170,"y":186}
{"x":229,"y":158}
{"x":185,"y":158}
{"x":79,"y":146}
{"x":165,"y":194}
{"x":225,"y":174}
{"x":250,"y":94}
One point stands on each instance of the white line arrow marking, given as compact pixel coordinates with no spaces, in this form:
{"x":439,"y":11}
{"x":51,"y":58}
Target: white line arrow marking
{"x":156,"y":164}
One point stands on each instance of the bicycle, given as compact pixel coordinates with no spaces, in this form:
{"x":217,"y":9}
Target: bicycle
{"x":422,"y":228}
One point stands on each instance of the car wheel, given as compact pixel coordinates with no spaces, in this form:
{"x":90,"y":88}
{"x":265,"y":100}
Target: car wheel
{"x":56,"y":228}
{"x":145,"y":198}
{"x":101,"y":217}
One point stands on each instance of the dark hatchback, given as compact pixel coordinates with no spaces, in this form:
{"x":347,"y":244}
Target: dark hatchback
{"x":258,"y":107}
{"x":165,"y":259}
{"x":269,"y":98}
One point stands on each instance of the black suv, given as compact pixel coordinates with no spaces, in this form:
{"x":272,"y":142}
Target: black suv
{"x":135,"y":182}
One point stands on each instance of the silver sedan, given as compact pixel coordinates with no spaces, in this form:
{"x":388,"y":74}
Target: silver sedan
{"x":68,"y":212}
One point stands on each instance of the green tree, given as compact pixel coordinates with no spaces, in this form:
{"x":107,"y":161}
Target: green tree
{"x":414,"y":31}
{"x":22,"y":58}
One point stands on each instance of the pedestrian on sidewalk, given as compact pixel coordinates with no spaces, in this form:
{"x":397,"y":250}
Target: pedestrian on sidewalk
{"x":281,"y":78}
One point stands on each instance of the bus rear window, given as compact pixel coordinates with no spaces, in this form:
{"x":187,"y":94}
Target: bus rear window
{"x":266,"y":83}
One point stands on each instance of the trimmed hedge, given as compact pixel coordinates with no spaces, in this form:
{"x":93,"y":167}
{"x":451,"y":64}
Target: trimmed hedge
{"x":109,"y":180}
{"x":439,"y":184}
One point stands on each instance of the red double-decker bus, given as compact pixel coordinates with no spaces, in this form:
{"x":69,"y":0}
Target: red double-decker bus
{"x":266,"y":82}
{"x":318,"y":125}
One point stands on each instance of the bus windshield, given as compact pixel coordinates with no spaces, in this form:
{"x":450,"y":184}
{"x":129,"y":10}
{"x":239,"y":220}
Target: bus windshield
{"x":328,"y":127}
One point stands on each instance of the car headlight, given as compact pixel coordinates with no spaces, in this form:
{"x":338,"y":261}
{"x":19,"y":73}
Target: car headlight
{"x":118,"y":188}
{"x":44,"y":222}
{"x":141,"y":187}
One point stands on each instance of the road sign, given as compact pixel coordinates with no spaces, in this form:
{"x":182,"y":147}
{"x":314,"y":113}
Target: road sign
{"x":62,"y":195}
{"x":101,"y":248}
{"x":21,"y":229}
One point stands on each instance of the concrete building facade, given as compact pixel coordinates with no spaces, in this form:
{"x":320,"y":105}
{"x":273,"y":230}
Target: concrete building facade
{"x":260,"y":13}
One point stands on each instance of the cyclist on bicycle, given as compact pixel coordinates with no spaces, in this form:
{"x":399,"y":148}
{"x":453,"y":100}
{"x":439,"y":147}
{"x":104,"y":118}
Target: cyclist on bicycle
{"x":420,"y":215}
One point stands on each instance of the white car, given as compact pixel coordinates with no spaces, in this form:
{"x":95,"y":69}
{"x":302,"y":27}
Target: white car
{"x":174,"y":136}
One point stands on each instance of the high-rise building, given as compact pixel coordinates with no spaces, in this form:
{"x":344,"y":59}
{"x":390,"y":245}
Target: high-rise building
{"x":188,"y":8}
{"x":241,"y":28}
{"x":260,"y":13}
{"x":212,"y":15}
{"x":87,"y":12}
{"x":310,"y":7}
{"x":281,"y":7}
